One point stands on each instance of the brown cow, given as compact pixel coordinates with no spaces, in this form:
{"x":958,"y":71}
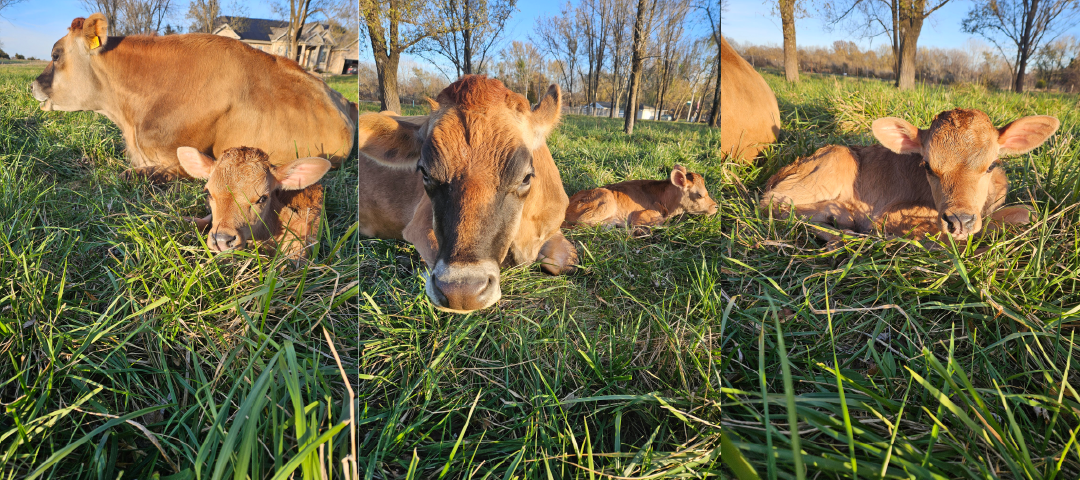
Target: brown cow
{"x":199,"y":90}
{"x":472,"y":186}
{"x":942,"y":179}
{"x":749,"y":117}
{"x":253,"y":200}
{"x":641,"y":202}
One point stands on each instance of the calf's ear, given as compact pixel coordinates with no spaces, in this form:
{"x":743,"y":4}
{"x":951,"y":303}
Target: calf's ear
{"x":897,"y":135}
{"x":391,"y":140}
{"x":679,"y":178}
{"x":1024,"y":134}
{"x":194,"y":162}
{"x":95,"y":31}
{"x":544,"y":117}
{"x":301,"y":173}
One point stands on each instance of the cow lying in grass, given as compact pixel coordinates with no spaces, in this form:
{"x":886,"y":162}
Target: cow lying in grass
{"x":197,"y":90}
{"x":942,"y":179}
{"x":253,"y":201}
{"x":641,"y":202}
{"x":472,"y":186}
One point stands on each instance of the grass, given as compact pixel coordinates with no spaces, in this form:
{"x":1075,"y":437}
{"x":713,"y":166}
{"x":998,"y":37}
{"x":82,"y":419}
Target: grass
{"x":129,"y":349}
{"x":883,"y":359}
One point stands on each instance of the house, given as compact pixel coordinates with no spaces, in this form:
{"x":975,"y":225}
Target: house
{"x":318,"y":44}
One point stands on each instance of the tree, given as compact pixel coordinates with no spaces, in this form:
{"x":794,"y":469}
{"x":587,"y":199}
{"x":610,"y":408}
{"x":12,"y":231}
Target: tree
{"x":524,"y":62}
{"x":474,"y":27}
{"x":203,"y":15}
{"x":558,"y":36}
{"x":643,"y":15}
{"x":298,"y":12}
{"x":594,"y":18}
{"x":132,"y":17}
{"x":1023,"y":24}
{"x":1055,"y":56}
{"x":620,"y":14}
{"x":669,"y":43}
{"x":901,"y":20}
{"x":714,"y":24}
{"x":791,"y":55}
{"x":392,"y":27}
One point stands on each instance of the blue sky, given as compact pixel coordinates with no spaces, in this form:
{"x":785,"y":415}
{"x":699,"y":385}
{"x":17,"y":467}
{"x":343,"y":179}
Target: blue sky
{"x":31,"y":27}
{"x":753,"y":21}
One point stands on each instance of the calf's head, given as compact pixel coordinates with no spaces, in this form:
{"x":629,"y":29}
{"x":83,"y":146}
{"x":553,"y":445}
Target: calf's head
{"x":959,"y":153}
{"x":694,"y":198}
{"x":244,"y":191}
{"x":475,"y":153}
{"x":68,"y":82}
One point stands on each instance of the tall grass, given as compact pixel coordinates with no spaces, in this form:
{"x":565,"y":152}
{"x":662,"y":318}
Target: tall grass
{"x":133,"y":349}
{"x":883,"y":359}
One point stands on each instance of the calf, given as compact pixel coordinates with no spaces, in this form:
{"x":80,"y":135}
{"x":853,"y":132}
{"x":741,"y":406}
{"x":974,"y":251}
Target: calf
{"x":199,"y":90}
{"x":942,"y":179}
{"x":641,"y":202}
{"x":472,"y":186}
{"x":252,"y":200}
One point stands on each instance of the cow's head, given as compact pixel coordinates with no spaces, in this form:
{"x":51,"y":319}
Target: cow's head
{"x":695,"y":198}
{"x":475,"y":153}
{"x":244,"y":191}
{"x":68,"y":82}
{"x":959,"y":152}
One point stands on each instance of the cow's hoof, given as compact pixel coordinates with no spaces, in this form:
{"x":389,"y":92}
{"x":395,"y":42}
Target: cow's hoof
{"x":148,"y":174}
{"x":558,"y":256}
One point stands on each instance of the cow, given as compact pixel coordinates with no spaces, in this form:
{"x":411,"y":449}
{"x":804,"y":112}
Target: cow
{"x":252,"y":200}
{"x":945,"y":179}
{"x":472,"y":186}
{"x":198,"y":90}
{"x":749,"y":116}
{"x":641,"y":202}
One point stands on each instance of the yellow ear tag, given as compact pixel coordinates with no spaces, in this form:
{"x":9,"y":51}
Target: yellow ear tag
{"x":94,"y":42}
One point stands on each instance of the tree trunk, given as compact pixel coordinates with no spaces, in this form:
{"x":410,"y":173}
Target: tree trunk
{"x":910,"y":25}
{"x":714,"y":115}
{"x":1024,"y":53}
{"x":387,"y":70}
{"x":635,"y":68}
{"x":791,"y":55}
{"x":466,"y":40}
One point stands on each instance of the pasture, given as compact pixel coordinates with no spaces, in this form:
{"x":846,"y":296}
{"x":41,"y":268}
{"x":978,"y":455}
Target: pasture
{"x":880,"y":358}
{"x":129,"y":348}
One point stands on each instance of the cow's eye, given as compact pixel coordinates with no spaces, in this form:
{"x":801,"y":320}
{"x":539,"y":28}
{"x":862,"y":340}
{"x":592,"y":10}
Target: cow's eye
{"x":527,"y":180}
{"x":424,"y":173}
{"x":262,"y":200}
{"x":55,"y":56}
{"x":926,"y":166}
{"x":992,"y":167}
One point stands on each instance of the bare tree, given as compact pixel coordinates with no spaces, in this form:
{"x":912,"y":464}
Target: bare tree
{"x":524,"y":62}
{"x":558,"y":36}
{"x":593,"y":16}
{"x":789,"y":10}
{"x":620,"y":14}
{"x":1020,"y":24}
{"x":204,"y":15}
{"x":901,"y":20}
{"x":474,"y":27}
{"x":132,"y":17}
{"x":7,"y":3}
{"x":110,"y":8}
{"x":392,"y":27}
{"x":714,"y":24}
{"x":643,"y":15}
{"x":669,"y":43}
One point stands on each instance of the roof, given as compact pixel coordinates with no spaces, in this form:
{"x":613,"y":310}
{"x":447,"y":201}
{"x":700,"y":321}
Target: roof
{"x":258,"y":29}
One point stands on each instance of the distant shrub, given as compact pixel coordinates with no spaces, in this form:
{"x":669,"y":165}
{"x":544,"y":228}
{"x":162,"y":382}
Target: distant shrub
{"x":1040,"y":84}
{"x":19,"y":56}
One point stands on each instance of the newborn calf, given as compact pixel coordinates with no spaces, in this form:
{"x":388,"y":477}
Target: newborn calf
{"x":916,"y":182}
{"x":641,"y":202}
{"x":252,"y":200}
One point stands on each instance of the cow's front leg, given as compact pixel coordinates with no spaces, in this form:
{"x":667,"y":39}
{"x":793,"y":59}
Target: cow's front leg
{"x":558,"y":256}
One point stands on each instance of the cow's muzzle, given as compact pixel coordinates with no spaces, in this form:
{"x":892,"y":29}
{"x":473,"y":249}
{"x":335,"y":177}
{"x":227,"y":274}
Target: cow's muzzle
{"x":223,"y":241}
{"x":40,"y":96}
{"x":960,"y":224}
{"x":464,"y":287}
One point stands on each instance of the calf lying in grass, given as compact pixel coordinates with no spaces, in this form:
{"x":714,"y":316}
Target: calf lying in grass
{"x":917,"y":182}
{"x":641,"y":202}
{"x":252,"y":200}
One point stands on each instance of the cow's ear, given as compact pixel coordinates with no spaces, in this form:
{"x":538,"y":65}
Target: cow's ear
{"x":95,"y":31}
{"x":679,"y":178}
{"x":545,"y":116}
{"x":301,"y":173}
{"x":897,"y":135}
{"x":391,"y":140}
{"x":1023,"y":135}
{"x":195,"y":163}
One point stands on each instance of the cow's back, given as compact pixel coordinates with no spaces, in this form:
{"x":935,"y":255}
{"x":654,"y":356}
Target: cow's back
{"x":214,"y":93}
{"x":749,"y":116}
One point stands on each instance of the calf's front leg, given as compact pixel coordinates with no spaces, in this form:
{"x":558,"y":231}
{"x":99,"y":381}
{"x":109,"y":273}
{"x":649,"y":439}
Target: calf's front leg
{"x":558,"y":255}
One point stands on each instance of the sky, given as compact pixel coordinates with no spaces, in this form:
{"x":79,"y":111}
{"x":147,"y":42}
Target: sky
{"x":33,"y":26}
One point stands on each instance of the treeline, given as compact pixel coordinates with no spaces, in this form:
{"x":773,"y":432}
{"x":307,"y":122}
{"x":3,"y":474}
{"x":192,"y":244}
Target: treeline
{"x":659,"y":58}
{"x":1056,"y":67}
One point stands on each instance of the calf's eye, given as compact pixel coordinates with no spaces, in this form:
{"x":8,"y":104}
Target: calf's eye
{"x":992,"y":167}
{"x":262,"y":200}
